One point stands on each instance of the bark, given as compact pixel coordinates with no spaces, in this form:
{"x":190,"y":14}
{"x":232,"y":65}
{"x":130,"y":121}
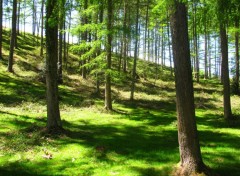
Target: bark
{"x":135,"y":55}
{"x":42,"y":27}
{"x":190,"y":155}
{"x":60,"y":48}
{"x":13,"y":36}
{"x":169,"y":48}
{"x":53,"y":113}
{"x":195,"y":36}
{"x":225,"y":72}
{"x":125,"y":42}
{"x":24,"y":19}
{"x":1,"y":21}
{"x":206,"y":49}
{"x":108,"y":94}
{"x":146,"y":30}
{"x":84,"y":37}
{"x":237,"y":55}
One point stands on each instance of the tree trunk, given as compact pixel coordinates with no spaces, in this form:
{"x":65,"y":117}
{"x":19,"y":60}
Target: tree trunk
{"x":1,"y":21}
{"x":125,"y":40}
{"x":42,"y":27}
{"x":84,"y":37}
{"x":169,"y":47}
{"x":225,"y":72}
{"x":205,"y":48}
{"x":195,"y":36}
{"x":190,"y":155}
{"x":53,"y":113}
{"x":108,"y":93}
{"x":135,"y":55}
{"x":237,"y":55}
{"x":13,"y":36}
{"x":60,"y":48}
{"x":145,"y":31}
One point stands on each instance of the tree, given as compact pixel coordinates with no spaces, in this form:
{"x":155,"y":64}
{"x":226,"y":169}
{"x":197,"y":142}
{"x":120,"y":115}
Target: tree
{"x":53,"y":114}
{"x":135,"y":55}
{"x":42,"y":27}
{"x":1,"y":21}
{"x":60,"y":49}
{"x":190,"y":154}
{"x":13,"y":36}
{"x":108,"y":96}
{"x":222,"y":7}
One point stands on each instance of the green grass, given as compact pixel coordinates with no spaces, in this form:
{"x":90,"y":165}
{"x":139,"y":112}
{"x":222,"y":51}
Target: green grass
{"x":137,"y":139}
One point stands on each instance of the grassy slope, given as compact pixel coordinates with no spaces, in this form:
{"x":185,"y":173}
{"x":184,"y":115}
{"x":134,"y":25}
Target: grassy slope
{"x":138,"y":138}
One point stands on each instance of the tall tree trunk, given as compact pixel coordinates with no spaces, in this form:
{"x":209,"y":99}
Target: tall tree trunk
{"x":18,"y":17}
{"x":237,"y":54}
{"x":209,"y":57}
{"x":169,"y":48}
{"x":42,"y":26}
{"x":60,"y":47}
{"x":125,"y":40}
{"x":135,"y":55}
{"x":24,"y":20}
{"x":195,"y":38}
{"x":225,"y":72}
{"x":13,"y":36}
{"x":84,"y":37}
{"x":145,"y":31}
{"x":1,"y":24}
{"x":205,"y":48}
{"x":108,"y":92}
{"x":190,"y":155}
{"x":53,"y":113}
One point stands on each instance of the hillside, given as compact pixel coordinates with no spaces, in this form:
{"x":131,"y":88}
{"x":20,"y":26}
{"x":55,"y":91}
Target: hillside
{"x":137,"y":138}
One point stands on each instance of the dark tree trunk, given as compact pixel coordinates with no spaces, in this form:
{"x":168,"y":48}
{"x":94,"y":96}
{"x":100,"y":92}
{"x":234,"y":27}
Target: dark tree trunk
{"x":125,"y":40}
{"x":225,"y":72}
{"x":42,"y":27}
{"x":1,"y":21}
{"x":60,"y":48}
{"x":108,"y":93}
{"x":135,"y":55}
{"x":13,"y":36}
{"x":85,"y":38}
{"x":237,"y":55}
{"x":145,"y":31}
{"x":53,"y":113}
{"x":190,"y":155}
{"x":195,"y":38}
{"x":205,"y":48}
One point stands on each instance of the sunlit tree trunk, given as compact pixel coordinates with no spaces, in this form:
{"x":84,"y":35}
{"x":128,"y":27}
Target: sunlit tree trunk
{"x":190,"y":155}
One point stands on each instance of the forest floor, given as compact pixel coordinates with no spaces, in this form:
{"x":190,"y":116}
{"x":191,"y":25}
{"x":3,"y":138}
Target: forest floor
{"x":136,"y":139}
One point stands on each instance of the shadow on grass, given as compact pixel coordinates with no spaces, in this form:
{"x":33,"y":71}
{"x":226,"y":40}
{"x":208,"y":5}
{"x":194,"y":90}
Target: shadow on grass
{"x":138,"y":143}
{"x":218,"y":121}
{"x":15,"y":91}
